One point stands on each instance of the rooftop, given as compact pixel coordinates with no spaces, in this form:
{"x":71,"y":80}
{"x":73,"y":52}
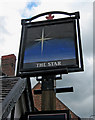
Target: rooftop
{"x":11,"y":89}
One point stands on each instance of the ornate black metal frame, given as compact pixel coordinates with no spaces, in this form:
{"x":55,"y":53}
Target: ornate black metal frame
{"x":24,"y":22}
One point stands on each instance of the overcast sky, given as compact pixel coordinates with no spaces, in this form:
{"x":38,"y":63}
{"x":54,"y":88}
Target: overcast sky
{"x":11,"y":13}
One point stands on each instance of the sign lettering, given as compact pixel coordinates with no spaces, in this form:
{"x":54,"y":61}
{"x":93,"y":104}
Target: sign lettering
{"x":49,"y":64}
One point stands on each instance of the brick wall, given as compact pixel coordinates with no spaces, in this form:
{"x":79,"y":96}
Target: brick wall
{"x":8,"y":64}
{"x":37,"y":98}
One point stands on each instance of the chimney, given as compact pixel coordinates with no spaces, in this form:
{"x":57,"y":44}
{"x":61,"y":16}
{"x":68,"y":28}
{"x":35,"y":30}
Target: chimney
{"x":8,"y":64}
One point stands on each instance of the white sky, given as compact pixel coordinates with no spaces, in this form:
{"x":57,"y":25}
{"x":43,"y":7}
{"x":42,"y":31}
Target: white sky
{"x":11,"y":13}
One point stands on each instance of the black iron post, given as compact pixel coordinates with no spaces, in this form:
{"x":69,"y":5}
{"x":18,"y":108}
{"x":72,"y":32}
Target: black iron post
{"x":12,"y":113}
{"x":30,"y":94}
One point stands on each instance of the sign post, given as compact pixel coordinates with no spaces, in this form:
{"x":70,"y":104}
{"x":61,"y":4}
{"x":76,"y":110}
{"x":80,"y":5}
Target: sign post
{"x":48,"y":48}
{"x":48,"y":94}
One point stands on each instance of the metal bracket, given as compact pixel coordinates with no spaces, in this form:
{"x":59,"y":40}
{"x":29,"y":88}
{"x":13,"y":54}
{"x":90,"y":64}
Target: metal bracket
{"x":48,"y":82}
{"x":55,"y":77}
{"x":58,"y":90}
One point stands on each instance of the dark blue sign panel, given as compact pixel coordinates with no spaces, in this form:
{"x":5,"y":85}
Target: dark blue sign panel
{"x":49,"y":46}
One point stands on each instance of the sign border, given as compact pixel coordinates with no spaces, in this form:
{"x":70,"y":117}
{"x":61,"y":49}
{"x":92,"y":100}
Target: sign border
{"x":53,"y":70}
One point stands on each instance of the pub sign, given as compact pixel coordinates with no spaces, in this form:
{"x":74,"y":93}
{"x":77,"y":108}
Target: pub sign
{"x":50,"y":46}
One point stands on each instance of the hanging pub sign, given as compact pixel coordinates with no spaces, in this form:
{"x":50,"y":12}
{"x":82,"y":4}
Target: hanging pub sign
{"x":50,"y":46}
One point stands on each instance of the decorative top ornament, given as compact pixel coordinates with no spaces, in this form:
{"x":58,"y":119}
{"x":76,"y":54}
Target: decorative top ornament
{"x":50,"y":17}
